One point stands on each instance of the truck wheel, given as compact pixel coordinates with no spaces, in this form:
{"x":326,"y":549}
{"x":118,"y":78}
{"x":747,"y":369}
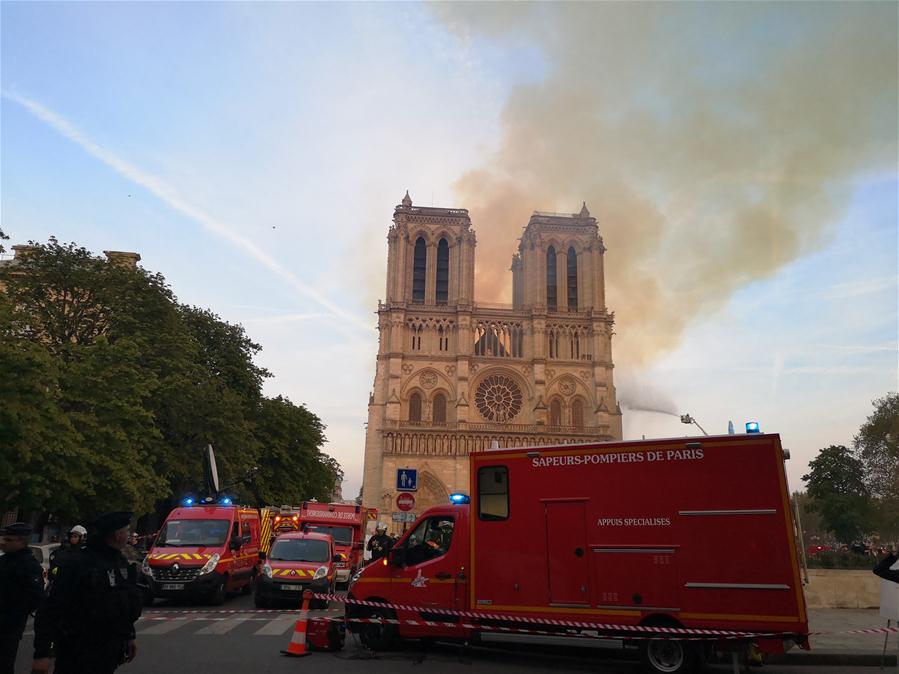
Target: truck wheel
{"x":217,"y":596}
{"x":377,"y":637}
{"x":667,"y":656}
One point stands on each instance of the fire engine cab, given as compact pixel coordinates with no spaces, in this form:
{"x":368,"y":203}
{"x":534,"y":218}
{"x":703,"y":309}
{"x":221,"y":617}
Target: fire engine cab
{"x":345,"y":523}
{"x":692,"y":533}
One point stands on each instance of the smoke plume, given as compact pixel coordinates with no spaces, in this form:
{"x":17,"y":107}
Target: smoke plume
{"x":636,"y":393}
{"x":715,"y":143}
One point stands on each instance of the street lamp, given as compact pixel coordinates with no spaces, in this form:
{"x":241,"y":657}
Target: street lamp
{"x":687,"y":419}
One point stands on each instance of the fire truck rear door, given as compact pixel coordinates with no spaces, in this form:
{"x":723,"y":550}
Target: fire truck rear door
{"x":566,"y":551}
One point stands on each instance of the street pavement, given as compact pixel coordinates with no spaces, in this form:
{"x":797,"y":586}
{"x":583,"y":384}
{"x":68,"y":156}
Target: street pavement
{"x":239,"y":639}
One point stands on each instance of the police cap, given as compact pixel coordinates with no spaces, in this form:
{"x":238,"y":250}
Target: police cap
{"x":106,"y":523}
{"x":17,"y":529}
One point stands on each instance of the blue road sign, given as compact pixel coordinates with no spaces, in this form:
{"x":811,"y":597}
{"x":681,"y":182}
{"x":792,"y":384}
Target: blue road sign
{"x":406,"y":479}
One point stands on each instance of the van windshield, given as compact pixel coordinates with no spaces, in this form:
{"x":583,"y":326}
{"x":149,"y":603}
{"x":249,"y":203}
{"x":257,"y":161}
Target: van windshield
{"x":300,"y":550}
{"x":341,"y":535}
{"x":189,"y":533}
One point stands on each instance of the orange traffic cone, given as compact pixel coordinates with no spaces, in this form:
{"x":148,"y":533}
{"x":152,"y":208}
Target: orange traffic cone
{"x":297,"y":647}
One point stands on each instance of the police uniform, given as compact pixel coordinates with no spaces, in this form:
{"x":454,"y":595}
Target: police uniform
{"x":21,"y":592}
{"x":61,"y":555}
{"x":89,"y":617}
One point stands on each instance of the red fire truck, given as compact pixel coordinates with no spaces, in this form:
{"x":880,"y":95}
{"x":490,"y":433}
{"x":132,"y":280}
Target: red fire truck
{"x":693,"y":533}
{"x":346,"y":524}
{"x":206,"y":549}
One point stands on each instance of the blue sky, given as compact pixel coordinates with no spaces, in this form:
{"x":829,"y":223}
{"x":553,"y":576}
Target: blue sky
{"x":253,"y":153}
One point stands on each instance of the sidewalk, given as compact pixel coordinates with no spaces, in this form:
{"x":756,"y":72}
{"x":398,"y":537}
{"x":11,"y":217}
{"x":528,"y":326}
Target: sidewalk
{"x":843,"y":649}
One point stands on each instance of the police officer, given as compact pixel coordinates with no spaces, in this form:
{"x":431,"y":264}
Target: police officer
{"x":883,"y":568}
{"x":88,"y":619}
{"x":71,"y":547}
{"x":21,"y":590}
{"x":379,"y":544}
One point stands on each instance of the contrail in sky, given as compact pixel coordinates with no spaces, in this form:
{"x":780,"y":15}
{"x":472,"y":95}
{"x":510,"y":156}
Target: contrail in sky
{"x":170,"y":197}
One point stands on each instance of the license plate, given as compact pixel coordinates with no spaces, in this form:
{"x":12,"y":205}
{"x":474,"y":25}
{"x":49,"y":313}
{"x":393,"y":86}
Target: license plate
{"x":294,"y":588}
{"x":173,"y":586}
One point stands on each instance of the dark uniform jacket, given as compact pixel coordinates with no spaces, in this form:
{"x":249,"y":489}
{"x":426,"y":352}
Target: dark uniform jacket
{"x":883,"y":568}
{"x":21,"y":590}
{"x":59,"y":556}
{"x":90,"y":613}
{"x":379,"y":546}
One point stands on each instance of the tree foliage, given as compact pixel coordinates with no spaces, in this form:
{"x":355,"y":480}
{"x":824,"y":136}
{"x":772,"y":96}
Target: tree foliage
{"x":877,"y":447}
{"x":111,"y":389}
{"x":837,"y":486}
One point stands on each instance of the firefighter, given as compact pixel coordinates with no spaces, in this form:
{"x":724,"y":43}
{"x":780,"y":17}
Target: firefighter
{"x":440,"y":538}
{"x":379,"y":544}
{"x":21,"y":590}
{"x":88,"y":619}
{"x":70,"y":547}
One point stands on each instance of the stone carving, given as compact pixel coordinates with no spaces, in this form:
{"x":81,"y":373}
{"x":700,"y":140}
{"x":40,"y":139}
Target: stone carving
{"x":526,"y":370}
{"x":498,"y":398}
{"x":428,"y":380}
{"x":550,"y":373}
{"x":407,"y":368}
{"x":584,"y":374}
{"x":567,"y":386}
{"x":473,"y":367}
{"x":450,"y":370}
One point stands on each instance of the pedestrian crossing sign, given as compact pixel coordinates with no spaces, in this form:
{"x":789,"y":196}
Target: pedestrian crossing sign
{"x":406,"y":479}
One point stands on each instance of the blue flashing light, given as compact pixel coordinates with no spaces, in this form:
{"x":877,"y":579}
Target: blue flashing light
{"x":226,"y":501}
{"x":753,"y":427}
{"x":188,"y":501}
{"x":459,"y":499}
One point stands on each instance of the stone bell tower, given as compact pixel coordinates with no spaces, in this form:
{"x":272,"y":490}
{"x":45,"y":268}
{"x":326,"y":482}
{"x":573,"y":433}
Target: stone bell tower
{"x":454,"y":377}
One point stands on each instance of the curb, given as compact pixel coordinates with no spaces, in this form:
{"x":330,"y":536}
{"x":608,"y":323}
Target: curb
{"x":832,"y":659}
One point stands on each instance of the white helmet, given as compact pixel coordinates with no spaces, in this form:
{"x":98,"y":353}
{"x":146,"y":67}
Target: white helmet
{"x":381,"y":527}
{"x":78,"y":529}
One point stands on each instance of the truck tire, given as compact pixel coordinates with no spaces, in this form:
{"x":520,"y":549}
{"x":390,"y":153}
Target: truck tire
{"x":217,"y":596}
{"x":377,"y":637}
{"x":667,"y":656}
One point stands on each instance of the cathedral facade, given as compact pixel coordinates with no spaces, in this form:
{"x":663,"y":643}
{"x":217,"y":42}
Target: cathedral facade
{"x":455,"y":376}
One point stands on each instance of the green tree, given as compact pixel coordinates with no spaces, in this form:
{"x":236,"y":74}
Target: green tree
{"x":116,"y":388}
{"x":877,"y":446}
{"x":291,"y":466}
{"x":837,"y":486}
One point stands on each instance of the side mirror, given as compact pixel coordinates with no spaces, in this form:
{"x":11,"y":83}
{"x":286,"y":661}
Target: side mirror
{"x":236,"y":543}
{"x":397,"y":557}
{"x":262,"y":555}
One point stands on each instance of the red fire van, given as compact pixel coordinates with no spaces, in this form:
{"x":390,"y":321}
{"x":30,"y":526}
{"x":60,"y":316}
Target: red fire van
{"x":297,"y":561}
{"x":345,"y":523}
{"x":694,"y":533}
{"x":205,"y":550}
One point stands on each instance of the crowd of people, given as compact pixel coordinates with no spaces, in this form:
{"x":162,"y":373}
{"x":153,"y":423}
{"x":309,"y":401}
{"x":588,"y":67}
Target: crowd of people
{"x":86,"y":619}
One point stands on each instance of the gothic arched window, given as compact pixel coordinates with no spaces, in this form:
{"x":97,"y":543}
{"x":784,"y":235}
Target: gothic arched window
{"x":442,"y":272}
{"x":555,"y":413}
{"x":577,"y":413}
{"x":415,"y":407}
{"x":439,"y":409}
{"x":419,"y":271}
{"x":572,"y":280}
{"x":551,"y":296}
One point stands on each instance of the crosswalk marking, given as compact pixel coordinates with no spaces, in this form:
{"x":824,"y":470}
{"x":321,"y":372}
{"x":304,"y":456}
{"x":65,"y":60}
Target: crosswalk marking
{"x":163,"y":627}
{"x":223,"y":626}
{"x":278,"y":626}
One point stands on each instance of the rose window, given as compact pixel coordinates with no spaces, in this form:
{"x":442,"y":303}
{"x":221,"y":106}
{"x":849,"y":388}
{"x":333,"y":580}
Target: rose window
{"x":498,"y":398}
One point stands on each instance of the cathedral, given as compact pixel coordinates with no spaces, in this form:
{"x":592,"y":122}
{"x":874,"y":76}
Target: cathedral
{"x":456,"y":376}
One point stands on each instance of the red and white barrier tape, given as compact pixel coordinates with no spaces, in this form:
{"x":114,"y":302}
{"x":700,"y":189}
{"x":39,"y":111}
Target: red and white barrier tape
{"x":605,"y":627}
